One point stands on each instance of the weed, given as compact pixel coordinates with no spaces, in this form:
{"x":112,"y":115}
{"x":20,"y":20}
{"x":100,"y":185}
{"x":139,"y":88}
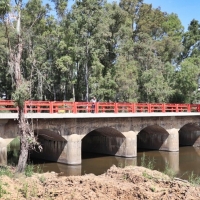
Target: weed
{"x":2,"y":191}
{"x":143,"y":160}
{"x":146,"y":175}
{"x":126,"y":176}
{"x":153,"y":189}
{"x":33,"y":191}
{"x":72,"y":195}
{"x":150,"y":164}
{"x":169,"y":171}
{"x":29,"y":170}
{"x":120,"y":165}
{"x":24,"y":190}
{"x":42,"y":179}
{"x":38,"y":169}
{"x":5,"y":171}
{"x":194,"y":179}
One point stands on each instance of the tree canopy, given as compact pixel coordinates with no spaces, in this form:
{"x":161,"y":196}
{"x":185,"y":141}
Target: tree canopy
{"x":126,"y":51}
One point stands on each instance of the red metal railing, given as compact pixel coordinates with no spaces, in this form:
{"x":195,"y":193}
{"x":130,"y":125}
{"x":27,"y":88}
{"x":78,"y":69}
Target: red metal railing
{"x":100,"y":107}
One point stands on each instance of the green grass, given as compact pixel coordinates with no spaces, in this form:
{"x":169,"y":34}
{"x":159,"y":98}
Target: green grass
{"x":147,"y":162}
{"x":169,"y":171}
{"x":24,"y":190}
{"x":2,"y":191}
{"x":194,"y":179}
{"x":29,"y":170}
{"x":4,"y":170}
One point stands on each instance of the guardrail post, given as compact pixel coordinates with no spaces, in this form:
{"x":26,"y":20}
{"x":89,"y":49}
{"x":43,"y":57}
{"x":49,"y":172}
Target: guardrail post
{"x":188,"y":108}
{"x":51,"y":107}
{"x":198,"y":108}
{"x":163,"y":108}
{"x":74,"y":107}
{"x":116,"y":107}
{"x":133,"y":108}
{"x":176,"y":107}
{"x":97,"y":107}
{"x":149,"y":107}
{"x":25,"y":107}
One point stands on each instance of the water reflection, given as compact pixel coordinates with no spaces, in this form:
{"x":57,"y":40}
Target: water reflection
{"x":189,"y":161}
{"x":183,"y":163}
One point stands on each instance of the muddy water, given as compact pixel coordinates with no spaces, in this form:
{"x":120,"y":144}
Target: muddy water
{"x":183,"y":163}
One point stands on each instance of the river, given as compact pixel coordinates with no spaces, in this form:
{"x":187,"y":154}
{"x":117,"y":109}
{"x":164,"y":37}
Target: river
{"x":182,"y":163}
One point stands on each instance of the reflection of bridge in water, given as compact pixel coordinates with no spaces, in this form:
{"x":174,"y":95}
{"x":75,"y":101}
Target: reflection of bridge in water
{"x":181,"y":163}
{"x":65,"y":135}
{"x":98,"y":164}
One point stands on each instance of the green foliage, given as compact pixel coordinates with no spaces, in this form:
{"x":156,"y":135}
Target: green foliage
{"x":147,"y":162}
{"x":4,"y":7}
{"x":2,"y":190}
{"x":42,"y":178}
{"x":187,"y":80}
{"x":194,"y":179}
{"x":110,"y":50}
{"x":169,"y":171}
{"x":29,"y":170}
{"x":191,"y":41}
{"x":146,"y":175}
{"x":14,"y":144}
{"x":22,"y":93}
{"x":5,"y":171}
{"x":24,"y":190}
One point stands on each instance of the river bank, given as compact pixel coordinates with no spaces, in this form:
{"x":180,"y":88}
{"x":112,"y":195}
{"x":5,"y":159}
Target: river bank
{"x":127,"y":183}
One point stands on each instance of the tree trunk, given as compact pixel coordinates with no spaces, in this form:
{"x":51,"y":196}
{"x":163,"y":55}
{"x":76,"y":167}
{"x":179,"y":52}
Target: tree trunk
{"x":23,"y":124}
{"x":24,"y":145}
{"x":18,"y":78}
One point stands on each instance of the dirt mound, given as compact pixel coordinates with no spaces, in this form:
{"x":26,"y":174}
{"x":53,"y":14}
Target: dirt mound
{"x":131,"y":182}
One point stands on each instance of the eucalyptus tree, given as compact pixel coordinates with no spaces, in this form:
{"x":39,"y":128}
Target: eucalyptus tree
{"x":17,"y":34}
{"x":89,"y":42}
{"x":5,"y":79}
{"x":35,"y":53}
{"x":126,"y":76}
{"x":187,"y":81}
{"x":191,"y":40}
{"x":156,"y":41}
{"x":132,"y":7}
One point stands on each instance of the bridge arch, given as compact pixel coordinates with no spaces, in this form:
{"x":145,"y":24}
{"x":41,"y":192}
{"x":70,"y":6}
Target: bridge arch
{"x":53,"y":145}
{"x":189,"y":135}
{"x":153,"y":137}
{"x":108,"y":140}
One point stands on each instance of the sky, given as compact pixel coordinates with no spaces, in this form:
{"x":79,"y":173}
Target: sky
{"x":187,"y":10}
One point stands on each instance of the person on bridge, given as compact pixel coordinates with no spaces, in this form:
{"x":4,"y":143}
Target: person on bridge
{"x":93,"y":100}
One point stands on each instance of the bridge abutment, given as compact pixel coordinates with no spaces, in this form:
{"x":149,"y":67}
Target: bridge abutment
{"x":3,"y":151}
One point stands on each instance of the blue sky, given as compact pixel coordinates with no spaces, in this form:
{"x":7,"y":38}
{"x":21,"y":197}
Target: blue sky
{"x":187,"y":10}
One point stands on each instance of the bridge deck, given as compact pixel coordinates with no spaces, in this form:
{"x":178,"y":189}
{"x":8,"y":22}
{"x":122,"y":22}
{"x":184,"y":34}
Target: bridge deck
{"x":95,"y":115}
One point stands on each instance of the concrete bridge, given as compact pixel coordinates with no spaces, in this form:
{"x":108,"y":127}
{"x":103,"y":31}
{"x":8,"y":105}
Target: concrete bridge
{"x":65,"y":135}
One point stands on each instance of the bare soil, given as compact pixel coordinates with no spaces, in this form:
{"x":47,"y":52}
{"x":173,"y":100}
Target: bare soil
{"x":127,"y":183}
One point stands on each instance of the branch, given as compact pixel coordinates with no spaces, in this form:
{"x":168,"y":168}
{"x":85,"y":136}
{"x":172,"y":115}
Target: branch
{"x":7,"y":36}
